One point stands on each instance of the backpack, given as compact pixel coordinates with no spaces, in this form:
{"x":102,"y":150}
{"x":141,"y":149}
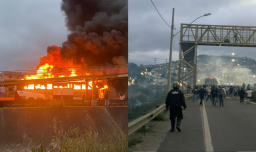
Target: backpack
{"x":222,"y":92}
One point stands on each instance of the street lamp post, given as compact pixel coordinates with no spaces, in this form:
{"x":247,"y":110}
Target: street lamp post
{"x":170,"y":56}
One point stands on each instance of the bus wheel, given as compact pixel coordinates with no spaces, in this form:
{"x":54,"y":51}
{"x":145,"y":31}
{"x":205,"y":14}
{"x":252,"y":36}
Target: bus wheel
{"x":39,"y":99}
{"x":31,"y":99}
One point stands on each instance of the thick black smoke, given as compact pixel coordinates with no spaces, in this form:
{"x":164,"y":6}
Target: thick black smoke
{"x":99,"y":31}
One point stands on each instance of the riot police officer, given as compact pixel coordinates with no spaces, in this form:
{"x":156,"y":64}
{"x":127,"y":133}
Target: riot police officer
{"x":174,"y":101}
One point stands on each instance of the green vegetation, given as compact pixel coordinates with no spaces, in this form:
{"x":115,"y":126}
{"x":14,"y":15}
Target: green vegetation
{"x":136,"y":111}
{"x":144,"y":129}
{"x":160,"y":117}
{"x":142,"y":100}
{"x":85,"y":139}
{"x":134,"y":141}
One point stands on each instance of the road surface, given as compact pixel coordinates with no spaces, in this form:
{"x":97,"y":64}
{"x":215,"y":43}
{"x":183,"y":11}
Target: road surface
{"x":229,"y":128}
{"x":209,"y":128}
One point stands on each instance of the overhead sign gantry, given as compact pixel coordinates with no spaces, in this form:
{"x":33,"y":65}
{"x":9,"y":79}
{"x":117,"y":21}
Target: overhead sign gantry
{"x":192,"y":35}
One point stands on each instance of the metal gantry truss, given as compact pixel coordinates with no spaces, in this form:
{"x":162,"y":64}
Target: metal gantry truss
{"x":192,"y":35}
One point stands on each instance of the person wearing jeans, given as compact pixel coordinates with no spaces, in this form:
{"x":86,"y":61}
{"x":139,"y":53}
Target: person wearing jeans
{"x":194,"y":94}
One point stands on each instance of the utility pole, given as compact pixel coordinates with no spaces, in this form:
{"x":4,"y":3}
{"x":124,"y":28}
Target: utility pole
{"x":170,"y":57}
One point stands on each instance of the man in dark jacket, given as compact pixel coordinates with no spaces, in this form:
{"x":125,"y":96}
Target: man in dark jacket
{"x":241,"y":94}
{"x":231,"y":90}
{"x":214,"y":94}
{"x":201,"y":93}
{"x":221,"y":95}
{"x":174,"y":101}
{"x":217,"y":89}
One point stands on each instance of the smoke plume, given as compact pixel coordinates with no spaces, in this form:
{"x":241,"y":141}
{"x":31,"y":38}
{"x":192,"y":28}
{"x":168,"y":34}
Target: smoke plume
{"x":99,"y":31}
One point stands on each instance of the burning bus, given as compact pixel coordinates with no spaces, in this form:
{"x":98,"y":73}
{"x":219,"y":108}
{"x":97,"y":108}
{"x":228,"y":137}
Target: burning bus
{"x":211,"y":81}
{"x":61,"y":88}
{"x":71,"y":91}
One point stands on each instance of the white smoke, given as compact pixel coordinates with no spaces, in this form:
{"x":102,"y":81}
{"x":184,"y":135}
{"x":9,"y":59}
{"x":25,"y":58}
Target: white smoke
{"x":225,"y":72}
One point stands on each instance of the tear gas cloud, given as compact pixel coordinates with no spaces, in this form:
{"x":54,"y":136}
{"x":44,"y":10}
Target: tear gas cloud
{"x":225,"y":71}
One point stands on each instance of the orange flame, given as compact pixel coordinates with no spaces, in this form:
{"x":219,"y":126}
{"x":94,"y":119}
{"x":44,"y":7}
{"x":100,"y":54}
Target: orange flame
{"x":45,"y":72}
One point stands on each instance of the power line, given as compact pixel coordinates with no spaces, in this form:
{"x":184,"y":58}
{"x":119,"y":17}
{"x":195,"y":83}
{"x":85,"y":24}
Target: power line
{"x":147,"y":60}
{"x":160,"y":14}
{"x":146,"y":56}
{"x":136,"y":58}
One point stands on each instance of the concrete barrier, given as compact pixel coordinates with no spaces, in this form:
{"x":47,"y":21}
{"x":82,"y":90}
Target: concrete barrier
{"x":18,"y":125}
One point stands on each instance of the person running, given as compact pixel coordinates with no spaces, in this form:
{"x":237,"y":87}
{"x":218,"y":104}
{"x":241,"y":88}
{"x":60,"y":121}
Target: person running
{"x":221,"y":94}
{"x":195,"y":92}
{"x":214,"y":94}
{"x":241,"y":94}
{"x":249,"y":95}
{"x":201,"y":93}
{"x":174,"y":101}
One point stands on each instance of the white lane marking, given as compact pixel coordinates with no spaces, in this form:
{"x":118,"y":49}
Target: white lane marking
{"x":207,"y":134}
{"x":253,"y":102}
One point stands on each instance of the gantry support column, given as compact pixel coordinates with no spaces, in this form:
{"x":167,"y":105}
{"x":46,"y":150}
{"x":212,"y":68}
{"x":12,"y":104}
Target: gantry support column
{"x":179,"y":70}
{"x":86,"y":90}
{"x":93,"y":91}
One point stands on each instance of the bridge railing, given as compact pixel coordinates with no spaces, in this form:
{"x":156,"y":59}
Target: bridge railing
{"x":141,"y":121}
{"x":64,"y":72}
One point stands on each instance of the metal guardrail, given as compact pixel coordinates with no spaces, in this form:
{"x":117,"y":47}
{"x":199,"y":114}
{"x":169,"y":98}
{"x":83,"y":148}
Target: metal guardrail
{"x":66,"y":72}
{"x":141,"y":121}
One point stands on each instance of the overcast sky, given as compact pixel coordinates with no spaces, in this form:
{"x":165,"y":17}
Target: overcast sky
{"x":27,"y":28}
{"x":149,"y":36}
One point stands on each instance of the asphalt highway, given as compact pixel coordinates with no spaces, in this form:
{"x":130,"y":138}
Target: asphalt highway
{"x":209,"y":128}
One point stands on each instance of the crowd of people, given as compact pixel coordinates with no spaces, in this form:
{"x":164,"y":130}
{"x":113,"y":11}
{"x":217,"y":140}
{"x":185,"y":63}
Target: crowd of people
{"x":218,"y":92}
{"x":175,"y":99}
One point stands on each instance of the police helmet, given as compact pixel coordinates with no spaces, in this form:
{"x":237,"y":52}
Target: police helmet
{"x":176,"y":84}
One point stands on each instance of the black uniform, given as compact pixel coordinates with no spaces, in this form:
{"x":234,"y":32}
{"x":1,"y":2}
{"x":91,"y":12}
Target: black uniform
{"x":242,"y":94}
{"x":201,"y":93}
{"x":175,"y":99}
